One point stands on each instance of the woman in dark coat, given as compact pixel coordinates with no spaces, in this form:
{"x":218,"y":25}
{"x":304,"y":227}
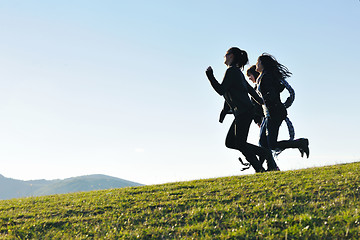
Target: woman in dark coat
{"x":269,"y":88}
{"x":235,"y":89}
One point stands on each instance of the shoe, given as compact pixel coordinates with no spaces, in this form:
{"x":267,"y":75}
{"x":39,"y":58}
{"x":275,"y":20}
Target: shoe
{"x":245,"y":165}
{"x":304,"y":147}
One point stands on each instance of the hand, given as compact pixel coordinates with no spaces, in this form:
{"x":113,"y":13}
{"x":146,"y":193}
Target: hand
{"x":222,"y":116}
{"x":209,"y":72}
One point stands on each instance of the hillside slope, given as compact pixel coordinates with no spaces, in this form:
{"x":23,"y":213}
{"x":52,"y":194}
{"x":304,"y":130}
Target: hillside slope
{"x":316,"y":203}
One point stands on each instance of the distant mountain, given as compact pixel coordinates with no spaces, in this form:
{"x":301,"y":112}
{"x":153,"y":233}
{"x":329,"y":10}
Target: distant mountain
{"x":12,"y":188}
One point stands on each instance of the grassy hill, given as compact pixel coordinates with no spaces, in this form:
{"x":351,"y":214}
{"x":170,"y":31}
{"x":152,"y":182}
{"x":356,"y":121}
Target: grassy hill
{"x":316,"y":203}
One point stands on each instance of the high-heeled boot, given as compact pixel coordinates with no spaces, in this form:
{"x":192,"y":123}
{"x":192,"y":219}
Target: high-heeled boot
{"x":303,"y":146}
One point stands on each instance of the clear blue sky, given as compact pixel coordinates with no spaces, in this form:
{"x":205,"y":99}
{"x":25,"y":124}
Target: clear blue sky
{"x":119,"y":87}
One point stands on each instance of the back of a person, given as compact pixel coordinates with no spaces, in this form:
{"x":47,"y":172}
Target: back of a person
{"x":238,"y":94}
{"x":270,"y":89}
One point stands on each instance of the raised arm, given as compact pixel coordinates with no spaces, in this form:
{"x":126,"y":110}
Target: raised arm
{"x":224,"y":86}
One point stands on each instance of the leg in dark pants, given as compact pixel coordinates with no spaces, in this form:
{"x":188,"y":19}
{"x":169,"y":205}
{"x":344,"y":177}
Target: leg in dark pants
{"x":237,"y":137}
{"x":263,"y":141}
{"x":269,"y":134}
{"x":272,"y":131}
{"x":264,"y":144}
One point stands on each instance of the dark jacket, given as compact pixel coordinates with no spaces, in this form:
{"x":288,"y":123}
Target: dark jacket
{"x":258,"y":111}
{"x":270,"y":88}
{"x":235,"y":89}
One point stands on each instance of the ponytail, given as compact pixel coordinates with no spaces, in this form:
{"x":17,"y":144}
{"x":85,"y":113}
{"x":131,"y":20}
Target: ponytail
{"x":240,"y":57}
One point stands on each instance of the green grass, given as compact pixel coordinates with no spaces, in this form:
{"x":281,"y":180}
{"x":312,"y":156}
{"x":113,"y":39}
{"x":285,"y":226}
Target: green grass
{"x":316,"y":203}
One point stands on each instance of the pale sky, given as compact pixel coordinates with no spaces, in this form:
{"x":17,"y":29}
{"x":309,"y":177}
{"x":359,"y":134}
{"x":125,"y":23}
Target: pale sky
{"x":119,"y":87}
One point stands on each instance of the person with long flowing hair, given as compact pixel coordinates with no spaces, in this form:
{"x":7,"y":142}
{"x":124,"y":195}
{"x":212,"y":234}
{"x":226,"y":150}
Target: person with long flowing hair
{"x":269,"y":87}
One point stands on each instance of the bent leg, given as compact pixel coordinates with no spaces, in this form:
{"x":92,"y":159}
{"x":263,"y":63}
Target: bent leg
{"x":237,"y":137}
{"x":272,"y":127}
{"x":302,"y":144}
{"x":264,"y":154}
{"x":230,"y":141}
{"x":242,"y":125}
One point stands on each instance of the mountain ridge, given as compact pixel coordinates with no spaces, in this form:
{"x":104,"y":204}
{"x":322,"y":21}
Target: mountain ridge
{"x":14,"y":188}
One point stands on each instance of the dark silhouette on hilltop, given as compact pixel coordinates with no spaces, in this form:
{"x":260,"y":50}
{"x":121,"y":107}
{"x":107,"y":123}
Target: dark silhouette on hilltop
{"x":235,"y":90}
{"x":269,"y":85}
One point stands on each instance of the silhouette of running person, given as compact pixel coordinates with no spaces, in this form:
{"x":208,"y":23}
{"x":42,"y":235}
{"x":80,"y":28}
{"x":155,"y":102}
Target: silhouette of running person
{"x":259,"y":115}
{"x":235,"y":89}
{"x":269,"y":86}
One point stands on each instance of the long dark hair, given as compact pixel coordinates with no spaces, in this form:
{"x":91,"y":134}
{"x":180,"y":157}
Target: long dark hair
{"x":271,"y":65}
{"x":240,"y":57}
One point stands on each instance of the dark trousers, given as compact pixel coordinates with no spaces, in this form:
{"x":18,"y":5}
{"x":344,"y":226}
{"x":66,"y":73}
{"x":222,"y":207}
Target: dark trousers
{"x":269,"y":132}
{"x":237,"y":139}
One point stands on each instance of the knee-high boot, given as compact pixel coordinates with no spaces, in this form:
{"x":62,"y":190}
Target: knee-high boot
{"x":302,"y":144}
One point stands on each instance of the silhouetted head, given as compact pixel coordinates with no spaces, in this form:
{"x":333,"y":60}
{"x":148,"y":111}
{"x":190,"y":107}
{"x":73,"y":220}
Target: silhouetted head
{"x":236,"y":57}
{"x":268,"y":63}
{"x":252,"y":73}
